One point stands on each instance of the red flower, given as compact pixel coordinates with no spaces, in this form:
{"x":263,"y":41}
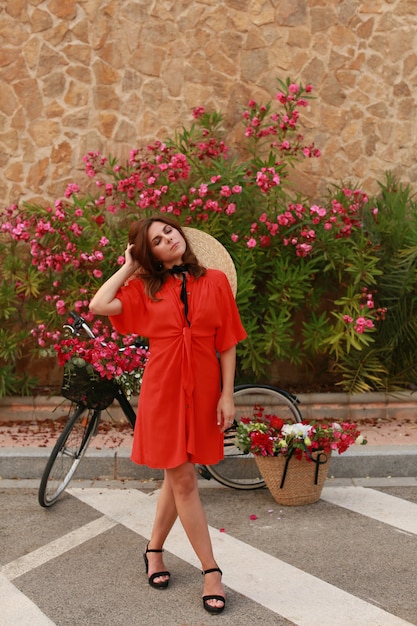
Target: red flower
{"x":276,"y":422}
{"x":261,"y":444}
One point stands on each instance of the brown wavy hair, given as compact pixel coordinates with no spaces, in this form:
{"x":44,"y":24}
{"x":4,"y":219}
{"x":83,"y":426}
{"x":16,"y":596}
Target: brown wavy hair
{"x":151,"y":271}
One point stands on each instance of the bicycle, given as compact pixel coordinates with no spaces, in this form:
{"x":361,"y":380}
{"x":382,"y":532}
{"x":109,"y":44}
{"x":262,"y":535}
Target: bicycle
{"x":90,"y":395}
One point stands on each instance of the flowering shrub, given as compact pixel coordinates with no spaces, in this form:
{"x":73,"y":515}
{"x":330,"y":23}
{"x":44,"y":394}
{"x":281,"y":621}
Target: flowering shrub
{"x":309,"y":274}
{"x":269,"y":435}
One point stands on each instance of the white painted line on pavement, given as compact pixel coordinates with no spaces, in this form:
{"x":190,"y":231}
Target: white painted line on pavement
{"x":264,"y":579}
{"x":375,"y":504}
{"x":55,"y":548}
{"x":17,"y":609}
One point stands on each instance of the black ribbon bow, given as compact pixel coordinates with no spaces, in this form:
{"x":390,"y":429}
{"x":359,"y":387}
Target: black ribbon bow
{"x":321,"y":459}
{"x":182,"y":269}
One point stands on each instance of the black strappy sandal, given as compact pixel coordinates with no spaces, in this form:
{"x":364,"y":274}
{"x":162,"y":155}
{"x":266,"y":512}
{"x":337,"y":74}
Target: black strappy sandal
{"x":208,"y":607}
{"x":162,"y":584}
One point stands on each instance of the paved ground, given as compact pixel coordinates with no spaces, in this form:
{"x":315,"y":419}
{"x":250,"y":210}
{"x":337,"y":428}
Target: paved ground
{"x":347,"y":560}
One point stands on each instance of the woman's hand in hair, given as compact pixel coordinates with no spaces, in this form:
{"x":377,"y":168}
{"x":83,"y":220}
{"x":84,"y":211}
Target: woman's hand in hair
{"x":105,"y":302}
{"x":130,"y":261}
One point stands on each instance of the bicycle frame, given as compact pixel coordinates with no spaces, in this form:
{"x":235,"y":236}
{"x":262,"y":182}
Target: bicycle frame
{"x":126,"y":406}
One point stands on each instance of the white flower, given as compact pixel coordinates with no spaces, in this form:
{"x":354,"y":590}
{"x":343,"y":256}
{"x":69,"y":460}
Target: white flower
{"x":299,"y":431}
{"x":359,"y":440}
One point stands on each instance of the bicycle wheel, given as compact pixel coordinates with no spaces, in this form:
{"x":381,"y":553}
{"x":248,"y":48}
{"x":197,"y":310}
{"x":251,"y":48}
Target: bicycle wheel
{"x":239,"y":470}
{"x":67,"y":453}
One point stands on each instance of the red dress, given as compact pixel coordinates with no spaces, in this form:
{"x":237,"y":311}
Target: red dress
{"x":177,"y":412}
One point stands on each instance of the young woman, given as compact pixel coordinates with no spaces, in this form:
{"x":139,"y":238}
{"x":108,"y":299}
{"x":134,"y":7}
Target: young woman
{"x":186,"y":403}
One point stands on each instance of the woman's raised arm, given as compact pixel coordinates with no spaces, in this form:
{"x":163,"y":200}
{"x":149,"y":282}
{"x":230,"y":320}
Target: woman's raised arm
{"x":104,"y":302}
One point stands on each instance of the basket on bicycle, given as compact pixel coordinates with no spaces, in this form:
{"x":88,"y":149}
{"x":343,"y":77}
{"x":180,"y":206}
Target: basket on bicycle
{"x":83,"y":384}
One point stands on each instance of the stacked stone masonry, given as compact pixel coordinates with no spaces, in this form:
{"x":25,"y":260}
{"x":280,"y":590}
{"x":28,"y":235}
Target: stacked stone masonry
{"x":111,"y":75}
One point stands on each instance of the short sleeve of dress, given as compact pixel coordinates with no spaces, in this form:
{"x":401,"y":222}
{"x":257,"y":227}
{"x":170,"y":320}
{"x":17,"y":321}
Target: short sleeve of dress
{"x":135,"y":313}
{"x":231,"y":329}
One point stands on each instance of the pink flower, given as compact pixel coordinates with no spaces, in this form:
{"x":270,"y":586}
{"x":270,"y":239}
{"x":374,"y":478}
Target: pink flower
{"x":303,"y":249}
{"x":203,"y":190}
{"x":320,"y":211}
{"x":251,"y":242}
{"x":362,"y":324}
{"x":267,"y":178}
{"x":198,"y":112}
{"x":72,"y":188}
{"x":76,"y":229}
{"x":60,"y":307}
{"x":273,"y":229}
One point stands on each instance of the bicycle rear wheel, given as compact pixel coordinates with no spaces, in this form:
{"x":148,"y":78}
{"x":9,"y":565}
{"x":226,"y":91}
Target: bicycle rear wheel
{"x":239,"y":470}
{"x":67,"y":453}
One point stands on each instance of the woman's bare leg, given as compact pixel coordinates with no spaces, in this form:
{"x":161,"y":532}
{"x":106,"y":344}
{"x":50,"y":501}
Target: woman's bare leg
{"x":166,"y":514}
{"x":183,"y":483}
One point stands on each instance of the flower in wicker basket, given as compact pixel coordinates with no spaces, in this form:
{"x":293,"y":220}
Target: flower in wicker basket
{"x":294,"y":458}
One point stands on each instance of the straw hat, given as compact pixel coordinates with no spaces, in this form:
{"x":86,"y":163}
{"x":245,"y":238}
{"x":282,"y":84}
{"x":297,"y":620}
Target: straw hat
{"x":211,"y":254}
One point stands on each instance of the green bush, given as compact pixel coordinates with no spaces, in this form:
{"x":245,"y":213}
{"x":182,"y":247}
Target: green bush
{"x":332,"y":283}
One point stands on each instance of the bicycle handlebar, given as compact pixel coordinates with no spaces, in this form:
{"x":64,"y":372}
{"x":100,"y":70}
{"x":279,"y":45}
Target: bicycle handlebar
{"x":80,"y":323}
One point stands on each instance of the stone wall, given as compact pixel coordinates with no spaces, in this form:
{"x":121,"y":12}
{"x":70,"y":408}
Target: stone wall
{"x":110,"y":75}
